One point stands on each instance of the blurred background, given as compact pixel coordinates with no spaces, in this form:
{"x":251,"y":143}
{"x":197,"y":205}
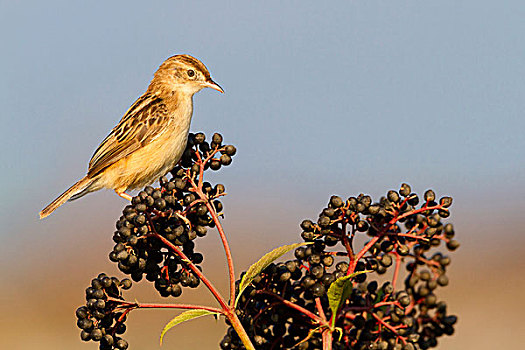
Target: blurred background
{"x":321,"y":98}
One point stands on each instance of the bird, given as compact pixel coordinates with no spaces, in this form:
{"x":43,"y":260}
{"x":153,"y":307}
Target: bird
{"x":150,"y":138}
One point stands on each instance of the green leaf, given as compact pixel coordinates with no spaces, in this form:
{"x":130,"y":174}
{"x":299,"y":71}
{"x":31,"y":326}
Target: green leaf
{"x":339,"y":291}
{"x":263,"y":263}
{"x":185,"y":316}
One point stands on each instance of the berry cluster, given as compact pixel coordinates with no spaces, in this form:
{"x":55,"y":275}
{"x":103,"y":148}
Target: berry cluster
{"x":101,"y":319}
{"x":282,"y":307}
{"x":155,"y":239}
{"x":269,"y":322}
{"x":366,"y":276}
{"x":177,"y":212}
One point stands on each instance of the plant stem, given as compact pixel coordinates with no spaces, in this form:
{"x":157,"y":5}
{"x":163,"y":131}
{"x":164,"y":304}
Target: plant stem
{"x":198,"y":189}
{"x":191,"y":265}
{"x":302,"y":310}
{"x":227,"y":310}
{"x":327,"y":339}
{"x":359,"y":255}
{"x":172,"y":306}
{"x":396,"y":270}
{"x":241,"y":332}
{"x":320,"y":308}
{"x":389,"y":327}
{"x":396,"y":218}
{"x":327,"y":332}
{"x":227,"y":251}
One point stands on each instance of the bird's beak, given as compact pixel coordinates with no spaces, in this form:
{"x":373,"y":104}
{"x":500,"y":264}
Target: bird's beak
{"x":211,"y":84}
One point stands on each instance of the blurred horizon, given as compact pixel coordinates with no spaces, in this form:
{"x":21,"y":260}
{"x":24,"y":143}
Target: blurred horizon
{"x":321,"y":99}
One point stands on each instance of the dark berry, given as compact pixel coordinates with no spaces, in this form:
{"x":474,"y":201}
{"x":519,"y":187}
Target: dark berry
{"x":405,"y":190}
{"x":336,"y":202}
{"x":429,"y":196}
{"x":230,"y":150}
{"x":318,"y":289}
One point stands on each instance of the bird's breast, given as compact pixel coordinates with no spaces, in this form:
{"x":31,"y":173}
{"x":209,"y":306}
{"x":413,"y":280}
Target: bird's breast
{"x":155,"y":159}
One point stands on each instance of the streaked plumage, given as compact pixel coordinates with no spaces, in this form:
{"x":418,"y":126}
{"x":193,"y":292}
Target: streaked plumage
{"x":151,"y":136}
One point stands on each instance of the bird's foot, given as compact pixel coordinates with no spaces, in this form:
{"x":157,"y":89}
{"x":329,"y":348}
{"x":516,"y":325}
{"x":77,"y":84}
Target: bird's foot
{"x":124,"y":195}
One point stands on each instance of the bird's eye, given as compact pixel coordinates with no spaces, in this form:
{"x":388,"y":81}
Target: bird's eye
{"x":191,"y":73}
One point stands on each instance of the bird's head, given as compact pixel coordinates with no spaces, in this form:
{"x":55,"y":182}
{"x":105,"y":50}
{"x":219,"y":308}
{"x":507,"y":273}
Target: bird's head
{"x":183,"y":74}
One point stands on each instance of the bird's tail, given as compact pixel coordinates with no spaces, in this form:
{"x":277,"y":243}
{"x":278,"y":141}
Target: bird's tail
{"x":77,"y":190}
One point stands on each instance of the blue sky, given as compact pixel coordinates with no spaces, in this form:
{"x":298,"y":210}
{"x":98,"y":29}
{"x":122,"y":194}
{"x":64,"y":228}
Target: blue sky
{"x":357,"y":96}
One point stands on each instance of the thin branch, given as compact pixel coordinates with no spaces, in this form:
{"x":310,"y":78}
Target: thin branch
{"x":396,"y":269}
{"x":420,"y":210}
{"x":190,"y":264}
{"x":389,"y":327}
{"x":327,"y":339}
{"x":218,"y":224}
{"x":227,"y":251}
{"x":296,"y":307}
{"x":320,"y":308}
{"x":138,"y":305}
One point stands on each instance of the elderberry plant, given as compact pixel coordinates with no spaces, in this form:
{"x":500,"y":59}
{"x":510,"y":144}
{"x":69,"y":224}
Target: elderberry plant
{"x":365,"y":276}
{"x":332,"y":292}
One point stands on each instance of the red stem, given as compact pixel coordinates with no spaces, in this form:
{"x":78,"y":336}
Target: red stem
{"x":191,"y":265}
{"x":227,"y":251}
{"x":296,"y":307}
{"x":363,"y":251}
{"x":226,"y":310}
{"x":396,"y":270}
{"x":417,"y":211}
{"x":370,"y":307}
{"x":179,"y":306}
{"x":224,"y":240}
{"x":327,"y":332}
{"x":320,"y":308}
{"x":386,"y":303}
{"x":406,"y":235}
{"x":392,"y":329}
{"x":396,"y":218}
{"x":166,"y":306}
{"x":327,"y":339}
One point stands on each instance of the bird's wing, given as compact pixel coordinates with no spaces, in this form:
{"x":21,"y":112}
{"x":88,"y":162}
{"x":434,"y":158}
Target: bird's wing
{"x":145,"y":120}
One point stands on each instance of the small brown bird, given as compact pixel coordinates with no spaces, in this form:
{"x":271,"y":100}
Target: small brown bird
{"x":150,"y":138}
